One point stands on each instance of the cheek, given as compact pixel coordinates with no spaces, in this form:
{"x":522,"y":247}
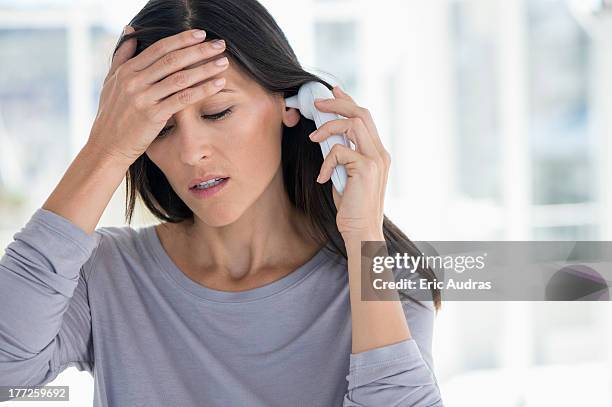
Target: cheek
{"x":258,"y":148}
{"x":154,"y":154}
{"x":161,"y":160}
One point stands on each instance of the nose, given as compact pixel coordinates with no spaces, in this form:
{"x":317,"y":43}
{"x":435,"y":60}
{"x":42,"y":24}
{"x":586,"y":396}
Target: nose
{"x":192,"y":142}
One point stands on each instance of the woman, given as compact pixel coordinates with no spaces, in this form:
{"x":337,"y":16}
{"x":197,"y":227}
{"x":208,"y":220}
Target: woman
{"x":247,"y":294}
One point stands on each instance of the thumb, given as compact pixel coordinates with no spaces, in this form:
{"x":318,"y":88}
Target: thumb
{"x":124,"y":52}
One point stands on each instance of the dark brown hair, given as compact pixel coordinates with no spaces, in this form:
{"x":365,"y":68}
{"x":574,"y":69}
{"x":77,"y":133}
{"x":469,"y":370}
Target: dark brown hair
{"x":258,"y":47}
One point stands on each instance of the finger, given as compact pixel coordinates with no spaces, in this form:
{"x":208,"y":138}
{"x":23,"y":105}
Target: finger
{"x":354,"y":163}
{"x":346,"y":107}
{"x":185,"y":78}
{"x":180,"y":59}
{"x":124,"y":52}
{"x":168,"y":44}
{"x":354,"y":129}
{"x":178,"y":101}
{"x":340,"y":94}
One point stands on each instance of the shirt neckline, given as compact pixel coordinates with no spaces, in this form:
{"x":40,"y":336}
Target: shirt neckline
{"x":170,"y":269}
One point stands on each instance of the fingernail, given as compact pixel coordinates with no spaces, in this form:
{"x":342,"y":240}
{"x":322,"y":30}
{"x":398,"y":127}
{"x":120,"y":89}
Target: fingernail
{"x":199,"y":34}
{"x":218,"y":44}
{"x":124,"y":30}
{"x":319,"y":178}
{"x":320,"y":100}
{"x":313,"y":135}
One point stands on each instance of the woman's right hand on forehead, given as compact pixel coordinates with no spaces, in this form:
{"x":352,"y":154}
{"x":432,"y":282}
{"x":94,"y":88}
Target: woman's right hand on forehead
{"x":140,"y":94}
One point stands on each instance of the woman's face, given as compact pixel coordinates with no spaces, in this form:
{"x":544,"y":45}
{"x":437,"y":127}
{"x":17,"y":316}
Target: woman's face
{"x":244,"y":145}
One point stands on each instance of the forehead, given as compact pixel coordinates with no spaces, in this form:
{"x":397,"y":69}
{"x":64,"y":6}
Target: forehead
{"x":235,"y":79}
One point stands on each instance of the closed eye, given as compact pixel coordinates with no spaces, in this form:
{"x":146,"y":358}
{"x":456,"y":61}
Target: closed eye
{"x":211,"y":117}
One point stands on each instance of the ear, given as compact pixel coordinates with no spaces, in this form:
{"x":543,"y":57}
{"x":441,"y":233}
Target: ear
{"x":291,"y":116}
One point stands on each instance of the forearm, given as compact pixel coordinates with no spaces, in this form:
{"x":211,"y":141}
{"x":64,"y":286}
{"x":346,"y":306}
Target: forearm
{"x":87,"y":187}
{"x":41,"y":268}
{"x":374,"y":323}
{"x":386,"y":366}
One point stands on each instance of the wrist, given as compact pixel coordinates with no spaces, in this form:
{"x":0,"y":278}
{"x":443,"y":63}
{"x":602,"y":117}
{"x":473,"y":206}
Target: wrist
{"x":105,"y":156}
{"x":354,"y":239}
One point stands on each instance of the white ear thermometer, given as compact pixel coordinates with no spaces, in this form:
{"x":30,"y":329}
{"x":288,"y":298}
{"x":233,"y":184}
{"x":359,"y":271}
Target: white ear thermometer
{"x":304,"y":102}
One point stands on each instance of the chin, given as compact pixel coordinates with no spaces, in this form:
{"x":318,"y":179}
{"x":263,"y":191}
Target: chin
{"x":217,"y":217}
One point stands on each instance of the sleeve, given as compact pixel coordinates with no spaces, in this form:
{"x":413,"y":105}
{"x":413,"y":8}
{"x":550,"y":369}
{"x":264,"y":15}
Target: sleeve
{"x":400,"y":374}
{"x":45,"y":322}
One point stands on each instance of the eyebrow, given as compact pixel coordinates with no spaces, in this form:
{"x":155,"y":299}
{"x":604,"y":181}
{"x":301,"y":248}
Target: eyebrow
{"x":226,"y":90}
{"x":223,"y":90}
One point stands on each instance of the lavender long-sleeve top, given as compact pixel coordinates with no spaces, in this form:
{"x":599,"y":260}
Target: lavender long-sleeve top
{"x":113,"y":303}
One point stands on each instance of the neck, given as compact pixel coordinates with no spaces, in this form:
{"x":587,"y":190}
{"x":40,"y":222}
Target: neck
{"x":269,"y":240}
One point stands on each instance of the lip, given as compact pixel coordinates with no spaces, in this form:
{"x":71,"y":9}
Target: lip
{"x":206,"y":193}
{"x":197,"y":181}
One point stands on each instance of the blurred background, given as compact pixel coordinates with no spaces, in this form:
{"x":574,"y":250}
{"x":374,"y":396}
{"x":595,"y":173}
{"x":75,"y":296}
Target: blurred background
{"x":498,"y":117}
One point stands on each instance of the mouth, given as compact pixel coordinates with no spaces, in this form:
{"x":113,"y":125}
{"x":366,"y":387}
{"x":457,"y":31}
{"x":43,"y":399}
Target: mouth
{"x":211,"y":182}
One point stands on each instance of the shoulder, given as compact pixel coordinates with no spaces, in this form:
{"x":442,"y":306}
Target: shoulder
{"x":122,"y":238}
{"x":119,"y":244}
{"x":119,"y":234}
